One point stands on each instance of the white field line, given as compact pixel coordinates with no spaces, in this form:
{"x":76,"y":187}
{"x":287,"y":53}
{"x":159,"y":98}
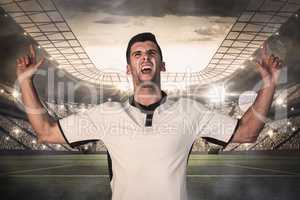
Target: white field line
{"x":262,"y":169}
{"x":34,"y":170}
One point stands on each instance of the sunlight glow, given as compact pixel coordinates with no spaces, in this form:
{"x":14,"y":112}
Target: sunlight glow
{"x":187,"y":42}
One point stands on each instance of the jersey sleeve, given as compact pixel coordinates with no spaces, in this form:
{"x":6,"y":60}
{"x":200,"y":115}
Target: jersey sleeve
{"x":79,"y":129}
{"x":216,"y":127}
{"x":211,"y":125}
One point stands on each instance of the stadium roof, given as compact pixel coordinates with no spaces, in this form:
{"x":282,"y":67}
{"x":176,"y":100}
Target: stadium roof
{"x":48,"y":24}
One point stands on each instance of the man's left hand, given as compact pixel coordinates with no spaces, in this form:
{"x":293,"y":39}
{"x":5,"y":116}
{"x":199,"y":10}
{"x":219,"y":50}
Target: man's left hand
{"x":269,"y":67}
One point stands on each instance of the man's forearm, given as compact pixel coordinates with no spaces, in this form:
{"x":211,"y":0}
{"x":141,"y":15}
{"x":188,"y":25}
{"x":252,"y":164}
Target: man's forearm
{"x":37,"y":115}
{"x":253,"y":120}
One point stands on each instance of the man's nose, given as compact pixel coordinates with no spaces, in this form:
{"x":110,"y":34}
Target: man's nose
{"x":146,"y":56}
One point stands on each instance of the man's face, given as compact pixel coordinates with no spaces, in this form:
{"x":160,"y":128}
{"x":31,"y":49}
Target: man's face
{"x":145,"y":63}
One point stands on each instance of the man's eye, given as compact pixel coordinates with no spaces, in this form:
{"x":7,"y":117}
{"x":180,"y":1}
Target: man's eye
{"x":137,"y":55}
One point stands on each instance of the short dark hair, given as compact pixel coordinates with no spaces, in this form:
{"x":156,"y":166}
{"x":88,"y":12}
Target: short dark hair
{"x":142,"y":37}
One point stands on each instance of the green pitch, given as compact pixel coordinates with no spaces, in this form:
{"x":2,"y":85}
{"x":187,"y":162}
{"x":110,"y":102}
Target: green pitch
{"x":83,"y":177}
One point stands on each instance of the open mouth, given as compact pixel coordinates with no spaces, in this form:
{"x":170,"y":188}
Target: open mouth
{"x":146,"y":70}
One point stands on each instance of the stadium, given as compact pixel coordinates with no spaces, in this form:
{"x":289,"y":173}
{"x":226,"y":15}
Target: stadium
{"x":72,"y":81}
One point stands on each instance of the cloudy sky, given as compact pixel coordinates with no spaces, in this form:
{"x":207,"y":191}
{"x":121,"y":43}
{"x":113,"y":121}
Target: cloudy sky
{"x":189,"y":31}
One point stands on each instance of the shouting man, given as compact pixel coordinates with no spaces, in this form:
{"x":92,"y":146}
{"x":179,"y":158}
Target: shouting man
{"x":149,"y":136}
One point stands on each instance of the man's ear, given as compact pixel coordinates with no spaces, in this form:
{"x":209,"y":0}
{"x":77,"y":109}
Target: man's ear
{"x":163,"y":67}
{"x":128,"y":69}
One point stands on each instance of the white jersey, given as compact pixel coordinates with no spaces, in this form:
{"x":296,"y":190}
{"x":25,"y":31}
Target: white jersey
{"x":149,"y":163}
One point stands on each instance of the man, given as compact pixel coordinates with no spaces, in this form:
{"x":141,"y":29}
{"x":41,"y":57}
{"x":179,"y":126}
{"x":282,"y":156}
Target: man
{"x":148,"y":137}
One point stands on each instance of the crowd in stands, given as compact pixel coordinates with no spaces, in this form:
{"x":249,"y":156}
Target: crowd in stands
{"x":17,"y":134}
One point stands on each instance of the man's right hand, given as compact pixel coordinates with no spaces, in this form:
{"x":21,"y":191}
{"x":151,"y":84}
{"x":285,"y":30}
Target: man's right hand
{"x":46,"y":129}
{"x":27,"y":65}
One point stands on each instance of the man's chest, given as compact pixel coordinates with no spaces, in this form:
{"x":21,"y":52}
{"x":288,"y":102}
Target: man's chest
{"x":167,"y":137}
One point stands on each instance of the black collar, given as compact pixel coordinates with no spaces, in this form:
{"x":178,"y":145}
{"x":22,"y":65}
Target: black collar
{"x":150,"y":108}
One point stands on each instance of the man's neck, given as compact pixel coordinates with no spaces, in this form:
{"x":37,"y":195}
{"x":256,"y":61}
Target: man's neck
{"x":147,"y":96}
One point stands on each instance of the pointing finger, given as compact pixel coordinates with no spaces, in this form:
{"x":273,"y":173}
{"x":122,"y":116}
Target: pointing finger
{"x":264,"y":50}
{"x":40,"y":62}
{"x":32,"y":53}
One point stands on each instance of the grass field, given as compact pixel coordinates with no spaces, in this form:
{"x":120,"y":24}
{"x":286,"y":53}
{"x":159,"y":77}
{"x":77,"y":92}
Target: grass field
{"x":74,"y":177}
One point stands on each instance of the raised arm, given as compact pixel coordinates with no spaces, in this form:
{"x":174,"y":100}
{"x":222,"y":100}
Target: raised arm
{"x":47,"y":130}
{"x":253,"y":120}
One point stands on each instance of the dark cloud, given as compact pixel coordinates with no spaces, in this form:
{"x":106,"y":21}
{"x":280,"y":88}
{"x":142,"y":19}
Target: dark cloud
{"x":110,"y":20}
{"x":157,"y":7}
{"x":84,"y":6}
